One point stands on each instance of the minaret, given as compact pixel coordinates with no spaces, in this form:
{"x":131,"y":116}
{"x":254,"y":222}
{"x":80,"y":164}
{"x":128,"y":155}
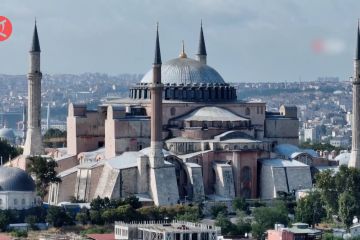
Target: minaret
{"x":156,"y":89}
{"x":355,"y":149}
{"x":24,"y":124}
{"x":201,"y":55}
{"x":162,"y":178}
{"x":48,"y":117}
{"x":33,"y":143}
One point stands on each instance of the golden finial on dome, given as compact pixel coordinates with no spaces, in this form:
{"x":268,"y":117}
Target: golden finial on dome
{"x":183,"y":54}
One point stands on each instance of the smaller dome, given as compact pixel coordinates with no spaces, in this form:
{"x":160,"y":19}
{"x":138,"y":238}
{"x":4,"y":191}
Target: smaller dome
{"x":7,"y":134}
{"x":15,"y":179}
{"x":212,"y":114}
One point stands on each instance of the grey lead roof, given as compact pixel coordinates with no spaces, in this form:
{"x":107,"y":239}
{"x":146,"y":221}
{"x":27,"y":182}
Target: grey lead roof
{"x":212,"y":114}
{"x":15,"y":179}
{"x":35,"y":46}
{"x":185,"y":71}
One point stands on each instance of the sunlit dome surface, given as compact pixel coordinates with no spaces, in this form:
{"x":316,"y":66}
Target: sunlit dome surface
{"x":185,"y":71}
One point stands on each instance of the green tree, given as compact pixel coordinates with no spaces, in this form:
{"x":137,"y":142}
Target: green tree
{"x":266,"y":217}
{"x":7,"y":151}
{"x":83,"y":216}
{"x":325,"y":182}
{"x":133,"y":201}
{"x":240,"y":204}
{"x":347,"y":208}
{"x":190,"y":216}
{"x":31,"y":220}
{"x":45,"y":173}
{"x":227,"y":228}
{"x":310,"y":209}
{"x":242,"y":225}
{"x":218,"y":208}
{"x":58,"y":217}
{"x":95,"y":217}
{"x":19,"y":234}
{"x":54,"y":133}
{"x":4,"y":220}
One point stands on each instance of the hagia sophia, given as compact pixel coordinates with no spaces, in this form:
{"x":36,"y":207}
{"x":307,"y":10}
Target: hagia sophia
{"x":182,"y":134}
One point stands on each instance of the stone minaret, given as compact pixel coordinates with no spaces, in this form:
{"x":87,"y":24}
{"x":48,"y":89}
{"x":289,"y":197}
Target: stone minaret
{"x":355,"y":149}
{"x":24,"y":124}
{"x":162,"y":182}
{"x":201,"y":55}
{"x":33,"y":143}
{"x":156,"y":89}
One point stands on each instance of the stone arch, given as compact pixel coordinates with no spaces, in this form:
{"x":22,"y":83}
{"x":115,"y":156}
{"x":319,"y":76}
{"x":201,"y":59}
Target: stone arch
{"x":182,"y":178}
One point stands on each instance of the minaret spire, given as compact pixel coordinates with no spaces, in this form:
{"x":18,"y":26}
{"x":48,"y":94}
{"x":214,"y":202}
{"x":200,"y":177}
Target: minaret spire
{"x":157,"y":59}
{"x":355,"y":125}
{"x":35,"y":46}
{"x":357,"y":53}
{"x":201,"y":54}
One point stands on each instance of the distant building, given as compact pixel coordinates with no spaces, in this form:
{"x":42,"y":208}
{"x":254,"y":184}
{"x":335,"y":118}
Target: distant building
{"x":175,"y":230}
{"x":340,"y":142}
{"x":312,"y":134}
{"x":8,"y":135}
{"x":297,"y":231}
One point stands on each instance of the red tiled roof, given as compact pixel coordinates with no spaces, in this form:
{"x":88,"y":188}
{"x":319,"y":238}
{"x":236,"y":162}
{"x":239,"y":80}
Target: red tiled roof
{"x":4,"y":237}
{"x":104,"y":236}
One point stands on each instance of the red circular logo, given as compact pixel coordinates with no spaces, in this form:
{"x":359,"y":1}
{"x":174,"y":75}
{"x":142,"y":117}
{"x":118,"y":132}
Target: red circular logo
{"x":5,"y":28}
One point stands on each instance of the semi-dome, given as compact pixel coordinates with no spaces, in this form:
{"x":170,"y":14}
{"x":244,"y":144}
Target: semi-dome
{"x":185,"y":71}
{"x":15,"y":179}
{"x":7,"y":134}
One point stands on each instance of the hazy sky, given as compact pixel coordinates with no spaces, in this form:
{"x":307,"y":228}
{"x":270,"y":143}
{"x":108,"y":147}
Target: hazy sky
{"x":247,"y":40}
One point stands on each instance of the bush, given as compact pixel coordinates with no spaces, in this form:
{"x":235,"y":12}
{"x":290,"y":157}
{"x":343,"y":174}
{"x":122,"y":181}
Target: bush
{"x":217,"y":209}
{"x":240,"y":204}
{"x":95,"y":229}
{"x":58,"y":217}
{"x":31,"y":220}
{"x":19,"y":234}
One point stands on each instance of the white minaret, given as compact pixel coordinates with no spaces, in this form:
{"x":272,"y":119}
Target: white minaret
{"x":33,"y":143}
{"x":355,"y":149}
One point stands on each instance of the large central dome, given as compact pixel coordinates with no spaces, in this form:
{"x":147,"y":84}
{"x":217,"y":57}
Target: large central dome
{"x":185,"y":71}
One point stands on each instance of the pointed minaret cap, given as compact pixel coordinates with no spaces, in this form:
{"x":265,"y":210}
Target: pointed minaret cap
{"x":157,"y":59}
{"x":35,"y":46}
{"x":202,"y":47}
{"x":357,"y":54}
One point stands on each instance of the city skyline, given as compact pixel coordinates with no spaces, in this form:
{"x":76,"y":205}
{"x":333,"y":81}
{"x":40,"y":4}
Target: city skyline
{"x":246,"y":41}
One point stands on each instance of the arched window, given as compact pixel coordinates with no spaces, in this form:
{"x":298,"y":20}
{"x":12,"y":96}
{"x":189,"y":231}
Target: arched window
{"x":23,"y":201}
{"x":247,"y":111}
{"x":1,"y":201}
{"x":15,"y":201}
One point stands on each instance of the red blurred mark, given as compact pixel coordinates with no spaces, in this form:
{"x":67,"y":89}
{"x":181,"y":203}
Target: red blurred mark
{"x":318,"y":46}
{"x":5,"y":28}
